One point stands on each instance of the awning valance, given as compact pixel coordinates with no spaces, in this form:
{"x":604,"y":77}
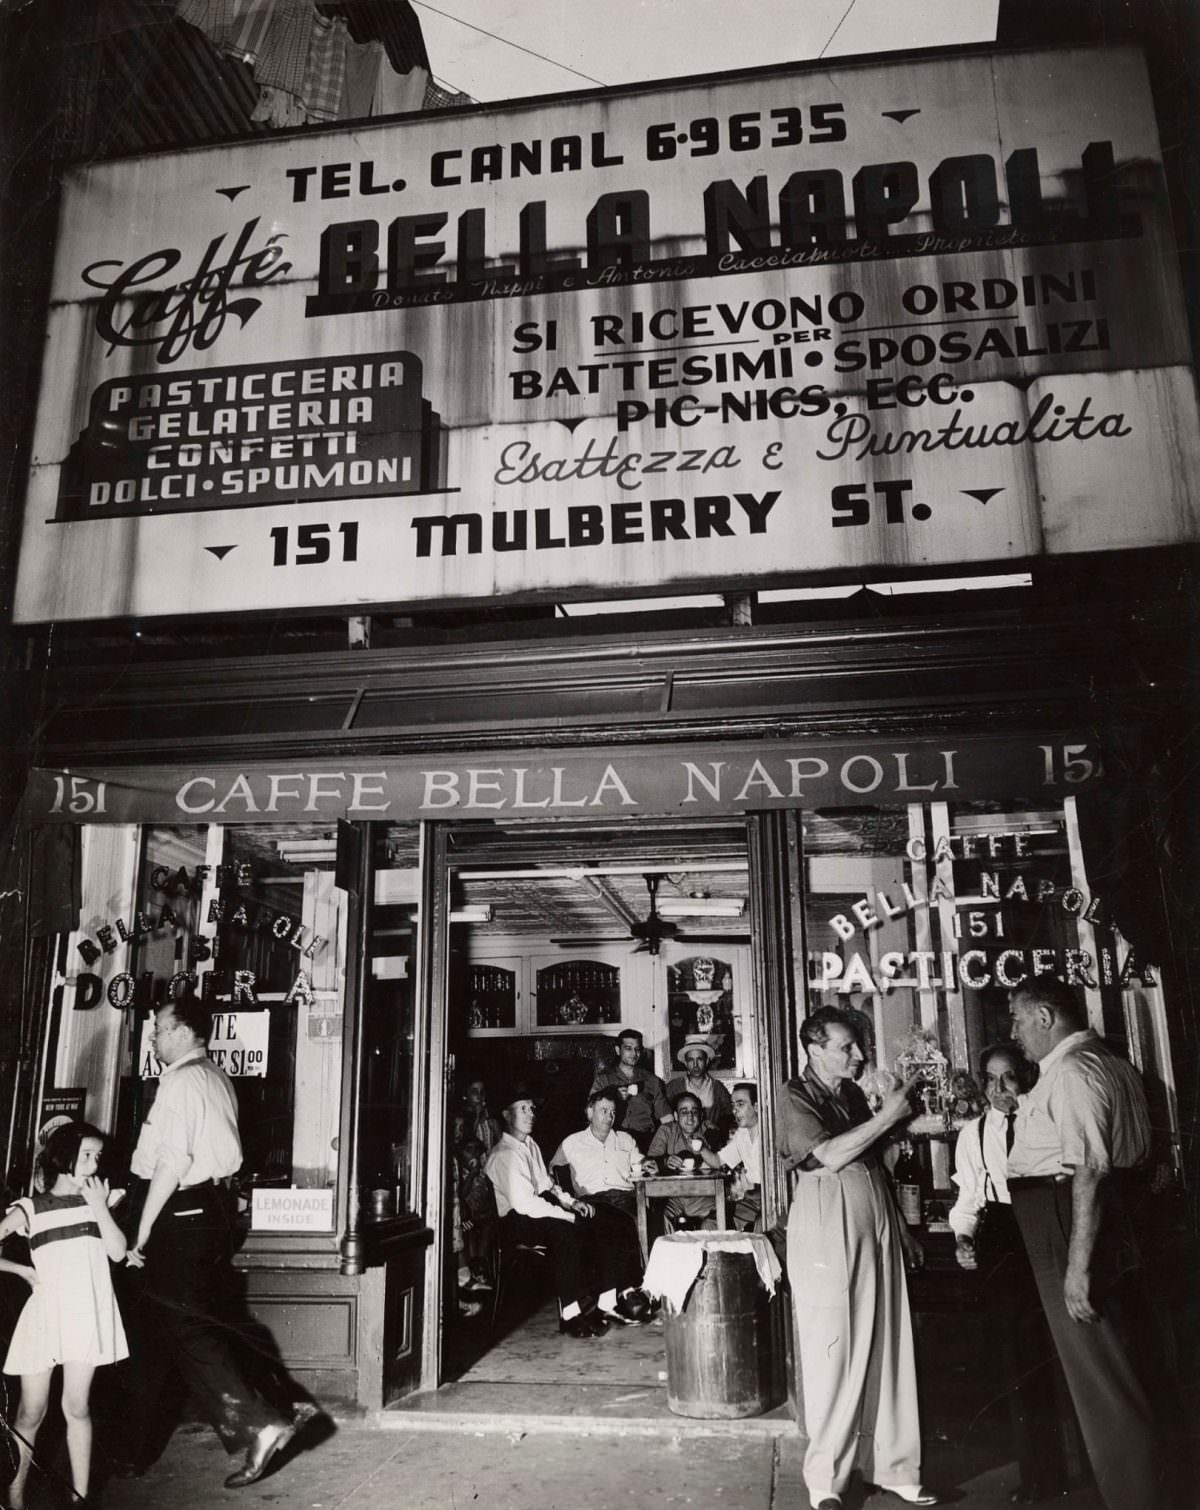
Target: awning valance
{"x":676,"y":780}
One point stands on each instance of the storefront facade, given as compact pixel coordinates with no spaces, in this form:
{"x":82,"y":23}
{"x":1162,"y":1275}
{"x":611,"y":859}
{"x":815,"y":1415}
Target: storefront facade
{"x":913,"y":876}
{"x":959,"y":348}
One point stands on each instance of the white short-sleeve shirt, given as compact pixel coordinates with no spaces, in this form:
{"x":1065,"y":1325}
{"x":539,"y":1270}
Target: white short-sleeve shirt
{"x":1087,"y":1111}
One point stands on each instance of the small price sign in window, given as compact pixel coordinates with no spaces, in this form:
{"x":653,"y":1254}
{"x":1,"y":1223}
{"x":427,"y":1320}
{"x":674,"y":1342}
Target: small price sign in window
{"x":238,"y":1045}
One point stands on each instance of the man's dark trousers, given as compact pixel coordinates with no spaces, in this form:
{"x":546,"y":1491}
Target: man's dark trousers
{"x":1108,"y":1363}
{"x":589,"y":1254}
{"x":174,"y":1306}
{"x":1028,"y":1361}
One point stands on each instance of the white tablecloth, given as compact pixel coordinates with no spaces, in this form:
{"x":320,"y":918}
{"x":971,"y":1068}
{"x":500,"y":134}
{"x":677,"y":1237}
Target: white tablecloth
{"x":677,"y":1261}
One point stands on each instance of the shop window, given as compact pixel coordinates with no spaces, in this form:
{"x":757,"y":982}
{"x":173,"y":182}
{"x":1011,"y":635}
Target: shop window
{"x":387,"y":1177}
{"x":922,"y":919}
{"x":251,"y":917}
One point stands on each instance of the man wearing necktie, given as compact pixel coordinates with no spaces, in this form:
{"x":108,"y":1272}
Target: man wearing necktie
{"x":987,"y":1239}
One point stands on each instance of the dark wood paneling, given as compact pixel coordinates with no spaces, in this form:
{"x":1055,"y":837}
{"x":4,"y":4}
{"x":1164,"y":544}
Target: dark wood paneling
{"x":311,"y":1331}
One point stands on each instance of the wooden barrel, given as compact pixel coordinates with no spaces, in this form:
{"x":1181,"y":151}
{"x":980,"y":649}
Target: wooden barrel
{"x":719,"y":1347}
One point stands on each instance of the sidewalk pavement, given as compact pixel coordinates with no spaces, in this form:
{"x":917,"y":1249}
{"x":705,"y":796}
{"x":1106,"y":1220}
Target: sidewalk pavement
{"x":430,"y":1461}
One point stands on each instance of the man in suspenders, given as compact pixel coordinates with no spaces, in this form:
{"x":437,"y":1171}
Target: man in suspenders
{"x":987,"y":1239}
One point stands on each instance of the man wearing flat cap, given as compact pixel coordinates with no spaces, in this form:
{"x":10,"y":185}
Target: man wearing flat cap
{"x":533,"y":1209}
{"x":716,"y":1105}
{"x":641,"y":1096}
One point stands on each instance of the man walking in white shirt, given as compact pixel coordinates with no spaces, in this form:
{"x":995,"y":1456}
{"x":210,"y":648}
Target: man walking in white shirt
{"x":183,"y":1242}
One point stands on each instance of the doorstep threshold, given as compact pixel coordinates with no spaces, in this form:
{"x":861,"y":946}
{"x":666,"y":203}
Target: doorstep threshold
{"x":627,"y":1410}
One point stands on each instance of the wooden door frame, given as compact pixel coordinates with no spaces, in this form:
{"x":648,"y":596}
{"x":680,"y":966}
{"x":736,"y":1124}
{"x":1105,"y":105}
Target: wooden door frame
{"x":775,"y":859}
{"x":432,"y":1067}
{"x":777,"y":956}
{"x":776,"y":851}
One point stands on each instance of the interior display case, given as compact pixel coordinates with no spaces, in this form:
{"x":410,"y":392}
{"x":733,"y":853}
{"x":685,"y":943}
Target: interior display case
{"x":576,"y":993}
{"x":706,"y":995}
{"x":494,"y":994}
{"x":522,"y":994}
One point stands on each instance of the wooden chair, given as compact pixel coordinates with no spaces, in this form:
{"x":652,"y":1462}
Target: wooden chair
{"x":516,"y":1262}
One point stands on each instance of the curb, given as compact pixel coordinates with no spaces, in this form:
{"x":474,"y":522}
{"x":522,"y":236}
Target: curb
{"x":508,"y":1424}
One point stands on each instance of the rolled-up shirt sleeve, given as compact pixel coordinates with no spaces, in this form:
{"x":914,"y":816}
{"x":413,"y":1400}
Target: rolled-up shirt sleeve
{"x":800,"y":1126}
{"x":969,"y":1177}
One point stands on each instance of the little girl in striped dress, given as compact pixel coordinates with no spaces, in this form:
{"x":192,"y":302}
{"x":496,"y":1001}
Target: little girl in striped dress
{"x":71,"y":1317}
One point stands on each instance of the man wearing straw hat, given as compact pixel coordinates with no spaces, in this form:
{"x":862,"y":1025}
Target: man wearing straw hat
{"x":696,"y":1056}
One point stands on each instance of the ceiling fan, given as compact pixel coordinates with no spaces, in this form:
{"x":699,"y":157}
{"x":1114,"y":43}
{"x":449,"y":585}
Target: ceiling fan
{"x":650,"y":931}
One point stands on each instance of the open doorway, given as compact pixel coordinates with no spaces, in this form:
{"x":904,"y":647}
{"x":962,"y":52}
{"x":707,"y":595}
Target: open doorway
{"x":560,"y":937}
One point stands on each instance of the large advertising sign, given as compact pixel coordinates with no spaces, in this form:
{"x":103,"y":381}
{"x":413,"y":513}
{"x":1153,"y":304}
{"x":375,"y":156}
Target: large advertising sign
{"x":741,"y":330}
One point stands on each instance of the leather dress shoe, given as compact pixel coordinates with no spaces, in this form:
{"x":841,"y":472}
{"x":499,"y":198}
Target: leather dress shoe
{"x":829,"y":1502}
{"x":911,"y":1494}
{"x":635,"y":1307}
{"x":586,"y":1324}
{"x":631,"y":1309}
{"x":266,"y":1444}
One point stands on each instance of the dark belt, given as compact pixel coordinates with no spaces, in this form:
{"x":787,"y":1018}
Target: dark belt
{"x":1036,"y":1181}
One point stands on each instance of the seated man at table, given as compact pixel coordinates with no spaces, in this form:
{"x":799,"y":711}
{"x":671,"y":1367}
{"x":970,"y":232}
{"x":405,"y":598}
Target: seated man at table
{"x":602,"y":1162}
{"x":680,"y":1147}
{"x":743,"y":1154}
{"x":596,"y":1277}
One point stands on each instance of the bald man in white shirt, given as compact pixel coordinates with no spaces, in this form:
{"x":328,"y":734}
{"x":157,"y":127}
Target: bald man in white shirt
{"x":1081,"y":1134}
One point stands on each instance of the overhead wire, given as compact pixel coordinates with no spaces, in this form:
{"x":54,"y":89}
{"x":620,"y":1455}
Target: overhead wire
{"x":837,"y":28}
{"x":507,"y":42}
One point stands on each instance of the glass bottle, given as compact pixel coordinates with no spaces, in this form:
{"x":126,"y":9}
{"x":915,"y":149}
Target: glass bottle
{"x":907,"y":1177}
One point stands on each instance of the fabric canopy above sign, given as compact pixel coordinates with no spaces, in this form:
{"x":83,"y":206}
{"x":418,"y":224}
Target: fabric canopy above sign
{"x":674,"y":781}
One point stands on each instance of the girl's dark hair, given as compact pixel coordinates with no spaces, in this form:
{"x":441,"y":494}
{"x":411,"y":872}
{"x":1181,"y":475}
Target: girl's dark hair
{"x":61,"y":1153}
